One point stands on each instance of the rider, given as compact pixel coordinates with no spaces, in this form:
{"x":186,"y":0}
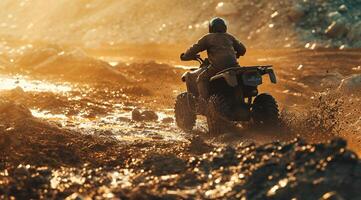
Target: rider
{"x":223,"y":50}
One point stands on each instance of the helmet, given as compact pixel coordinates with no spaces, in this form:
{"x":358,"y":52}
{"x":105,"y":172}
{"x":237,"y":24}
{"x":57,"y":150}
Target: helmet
{"x":217,"y":25}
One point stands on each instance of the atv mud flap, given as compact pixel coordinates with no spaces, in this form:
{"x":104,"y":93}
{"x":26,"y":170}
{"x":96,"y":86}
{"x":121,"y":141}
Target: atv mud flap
{"x":272,"y":76}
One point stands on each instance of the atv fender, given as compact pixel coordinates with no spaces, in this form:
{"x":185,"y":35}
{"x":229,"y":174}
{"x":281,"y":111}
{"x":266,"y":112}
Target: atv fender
{"x":230,"y":77}
{"x":192,"y":75}
{"x":190,"y":78}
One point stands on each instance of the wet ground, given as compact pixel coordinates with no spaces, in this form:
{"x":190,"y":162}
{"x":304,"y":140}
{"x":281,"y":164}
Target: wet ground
{"x":63,"y":137}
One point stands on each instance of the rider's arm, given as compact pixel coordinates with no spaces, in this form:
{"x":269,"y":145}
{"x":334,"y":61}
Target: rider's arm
{"x":239,"y":48}
{"x":192,"y":52}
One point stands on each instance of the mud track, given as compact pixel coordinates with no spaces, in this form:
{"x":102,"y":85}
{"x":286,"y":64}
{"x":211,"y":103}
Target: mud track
{"x":67,"y":137}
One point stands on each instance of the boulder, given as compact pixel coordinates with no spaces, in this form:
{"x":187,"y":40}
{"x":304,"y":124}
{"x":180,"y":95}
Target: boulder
{"x":136,"y":115}
{"x":351,"y":84}
{"x":296,"y":12}
{"x":168,"y":120}
{"x":343,"y":8}
{"x":199,"y":146}
{"x":331,"y":80}
{"x":334,"y":16}
{"x":226,"y":8}
{"x":355,"y":33}
{"x":357,"y":44}
{"x":123,"y":119}
{"x":336,"y":29}
{"x":147,"y":115}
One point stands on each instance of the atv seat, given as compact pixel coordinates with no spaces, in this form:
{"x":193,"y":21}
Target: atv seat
{"x":229,"y":69}
{"x":242,"y":69}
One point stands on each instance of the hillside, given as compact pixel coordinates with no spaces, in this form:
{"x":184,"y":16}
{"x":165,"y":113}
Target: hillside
{"x":99,"y":23}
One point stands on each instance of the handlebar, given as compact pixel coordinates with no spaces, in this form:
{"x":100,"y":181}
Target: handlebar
{"x":196,"y":58}
{"x":202,"y":62}
{"x":199,"y":59}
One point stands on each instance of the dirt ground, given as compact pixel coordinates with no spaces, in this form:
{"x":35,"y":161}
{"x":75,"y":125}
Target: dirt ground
{"x":68,"y":129}
{"x":87,"y":93}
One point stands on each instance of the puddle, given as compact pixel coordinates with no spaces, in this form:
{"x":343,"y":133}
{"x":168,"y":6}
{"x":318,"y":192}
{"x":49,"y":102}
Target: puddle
{"x":117,"y":124}
{"x":47,"y":115}
{"x":8,"y":83}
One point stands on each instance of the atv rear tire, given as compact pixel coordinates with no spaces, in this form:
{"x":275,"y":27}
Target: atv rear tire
{"x":185,"y":115}
{"x":265,"y":113}
{"x":217,"y":112}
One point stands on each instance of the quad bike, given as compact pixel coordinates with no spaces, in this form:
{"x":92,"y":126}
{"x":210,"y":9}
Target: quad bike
{"x":233,"y":98}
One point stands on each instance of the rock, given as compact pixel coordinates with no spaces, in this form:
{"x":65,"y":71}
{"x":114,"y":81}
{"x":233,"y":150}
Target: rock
{"x":355,"y":33}
{"x":336,"y":29}
{"x":351,"y":84}
{"x":149,"y":115}
{"x":136,"y":115}
{"x":123,"y":119}
{"x":75,"y":196}
{"x":198,"y":146}
{"x":334,"y":16}
{"x":167,"y":120}
{"x":226,"y":8}
{"x":338,"y":143}
{"x":331,"y":196}
{"x":332,"y":80}
{"x":164,"y":164}
{"x":144,"y":116}
{"x":357,"y":44}
{"x":157,"y":137}
{"x":21,"y":172}
{"x":277,"y":170}
{"x":343,"y":8}
{"x":296,"y":12}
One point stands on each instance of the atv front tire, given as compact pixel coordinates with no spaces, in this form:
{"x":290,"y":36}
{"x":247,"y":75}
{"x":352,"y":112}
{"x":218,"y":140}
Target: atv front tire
{"x":217,"y":112}
{"x":185,"y":115}
{"x":265,"y":112}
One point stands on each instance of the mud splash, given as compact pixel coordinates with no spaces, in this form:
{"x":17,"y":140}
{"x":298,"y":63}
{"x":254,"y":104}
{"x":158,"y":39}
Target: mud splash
{"x":79,"y":138}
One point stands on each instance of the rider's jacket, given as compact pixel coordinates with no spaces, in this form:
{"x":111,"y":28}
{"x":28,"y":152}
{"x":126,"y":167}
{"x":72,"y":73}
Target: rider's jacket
{"x":223,"y":49}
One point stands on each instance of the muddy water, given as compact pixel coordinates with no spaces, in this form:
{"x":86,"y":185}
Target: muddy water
{"x":27,"y":84}
{"x":116,"y":121}
{"x":302,"y":76}
{"x":87,"y":144}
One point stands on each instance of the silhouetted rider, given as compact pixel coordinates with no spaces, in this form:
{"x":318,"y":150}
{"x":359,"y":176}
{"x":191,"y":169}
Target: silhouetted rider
{"x":223,"y":50}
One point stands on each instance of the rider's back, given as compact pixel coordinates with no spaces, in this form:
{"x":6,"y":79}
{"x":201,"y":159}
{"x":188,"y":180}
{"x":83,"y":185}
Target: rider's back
{"x":223,"y":49}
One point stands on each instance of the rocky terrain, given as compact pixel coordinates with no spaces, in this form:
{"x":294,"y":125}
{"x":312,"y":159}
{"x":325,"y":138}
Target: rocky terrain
{"x":41,"y":160}
{"x":87,"y":93}
{"x":98,"y":24}
{"x":115,"y":138}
